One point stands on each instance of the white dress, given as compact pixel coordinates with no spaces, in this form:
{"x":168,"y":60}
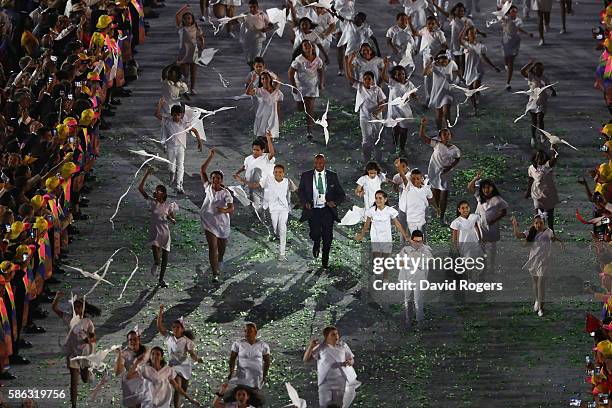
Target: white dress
{"x":543,"y":189}
{"x":441,"y":157}
{"x":307,"y":76}
{"x":158,"y":388}
{"x":511,"y":40}
{"x":361,"y":66}
{"x":159,"y":230}
{"x":402,"y":39}
{"x":468,"y":236}
{"x":370,"y":187}
{"x":486,"y":212}
{"x":474,"y":68}
{"x":331,"y":377}
{"x":74,"y":344}
{"x":249,"y":367}
{"x":266,"y":117}
{"x":354,"y":36}
{"x":211,"y":219}
{"x":457,"y":25}
{"x":251,"y":36}
{"x":538,"y":263}
{"x":133,"y":389}
{"x":179,"y":358}
{"x":381,"y":235}
{"x":416,"y":9}
{"x":301,"y":36}
{"x":397,"y":90}
{"x":431,"y":43}
{"x":440,"y":91}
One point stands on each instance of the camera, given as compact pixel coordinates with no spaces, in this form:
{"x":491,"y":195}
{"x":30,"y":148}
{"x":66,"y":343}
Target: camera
{"x":70,"y":97}
{"x":24,"y":257}
{"x":71,"y":139}
{"x":78,"y":84}
{"x":53,"y":58}
{"x":575,"y":402}
{"x":50,"y":79}
{"x":8,"y":228}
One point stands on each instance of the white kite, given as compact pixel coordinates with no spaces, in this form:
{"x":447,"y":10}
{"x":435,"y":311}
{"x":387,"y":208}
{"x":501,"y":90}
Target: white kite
{"x":534,"y":94}
{"x":469,"y":92}
{"x":351,"y":386}
{"x":97,"y":359}
{"x":499,"y":14}
{"x":326,"y":4}
{"x":206,"y":56}
{"x":323,"y":123}
{"x":554,"y":140}
{"x":243,"y":198}
{"x":296,"y":401}
{"x":224,"y":20}
{"x":203,"y":113}
{"x":403,"y":100}
{"x":279,"y":17}
{"x":353,"y":216}
{"x":388,"y":122}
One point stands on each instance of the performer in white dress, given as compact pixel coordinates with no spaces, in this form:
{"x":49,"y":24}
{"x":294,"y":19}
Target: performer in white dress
{"x":399,"y":85}
{"x":432,"y":41}
{"x":416,"y":197}
{"x":541,"y":188}
{"x":369,"y":184}
{"x":253,"y":32}
{"x":215,"y":214}
{"x":401,"y":42}
{"x":181,"y":351}
{"x":443,"y":71}
{"x":540,"y":237}
{"x":466,"y":236}
{"x":268,"y":98}
{"x":366,"y":61}
{"x":444,"y":158}
{"x":369,"y":102}
{"x":256,"y":166}
{"x":126,"y":367}
{"x":249,"y":360}
{"x":336,"y":376}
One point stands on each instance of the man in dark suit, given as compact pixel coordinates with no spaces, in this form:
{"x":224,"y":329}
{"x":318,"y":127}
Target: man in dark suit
{"x":320,"y":193}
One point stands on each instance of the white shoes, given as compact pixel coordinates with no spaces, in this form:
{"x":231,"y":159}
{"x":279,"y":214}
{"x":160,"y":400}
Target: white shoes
{"x":540,"y":313}
{"x":541,"y":43}
{"x":282,"y":258}
{"x":536,"y":306}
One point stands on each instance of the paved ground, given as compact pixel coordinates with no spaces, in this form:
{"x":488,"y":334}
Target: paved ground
{"x":476,"y":349}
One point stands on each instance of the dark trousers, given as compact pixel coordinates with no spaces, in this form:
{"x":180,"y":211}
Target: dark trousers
{"x":321,"y":224}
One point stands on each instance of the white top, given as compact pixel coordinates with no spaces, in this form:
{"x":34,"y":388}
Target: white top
{"x":171,"y":94}
{"x":266,"y":117}
{"x":74,"y":345}
{"x":543,"y":189}
{"x":323,"y":21}
{"x":180,"y":129}
{"x":179,"y":358}
{"x":466,"y":228}
{"x":249,"y":367}
{"x":473,"y":62}
{"x":301,"y":36}
{"x":487,"y":211}
{"x":361,"y":66}
{"x":133,"y":389}
{"x":397,"y":180}
{"x":256,"y":168}
{"x":329,"y":362}
{"x":416,"y":9}
{"x":457,"y":25}
{"x":368,"y":100}
{"x":380,"y":228}
{"x":345,"y":8}
{"x":252,"y":26}
{"x":441,"y":156}
{"x":157,"y":384}
{"x":276,"y":194}
{"x":431,"y":41}
{"x":397,"y":90}
{"x":415,"y":200}
{"x":370,"y":187}
{"x":415,"y":271}
{"x":210,"y":217}
{"x":307,"y":75}
{"x":539,"y":253}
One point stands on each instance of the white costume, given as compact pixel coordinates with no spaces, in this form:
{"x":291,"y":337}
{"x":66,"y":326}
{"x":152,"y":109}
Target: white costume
{"x":266,"y":117}
{"x":468,"y":241}
{"x":158,"y":388}
{"x":277,"y":202}
{"x":415,"y":201}
{"x":403,"y":40}
{"x":75,"y":344}
{"x":538,"y":263}
{"x":175,"y":140}
{"x":397,"y":180}
{"x":306,"y":76}
{"x":457,"y":25}
{"x":417,"y":11}
{"x":361,"y":66}
{"x":255,"y":169}
{"x":249,"y":368}
{"x":442,"y":76}
{"x":367,"y":101}
{"x":211,"y":219}
{"x":474,"y":68}
{"x":178,"y":352}
{"x":415,"y":272}
{"x":490,"y":232}
{"x":133,"y":389}
{"x":251,"y":36}
{"x":381,"y":235}
{"x":441,"y":157}
{"x":331,"y":376}
{"x":397,"y":90}
{"x":370,"y":187}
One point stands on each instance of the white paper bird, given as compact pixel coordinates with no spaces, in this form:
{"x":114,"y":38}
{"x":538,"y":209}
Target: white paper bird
{"x":97,"y":359}
{"x":554,"y":140}
{"x":296,"y":401}
{"x":279,"y":18}
{"x":206,"y":56}
{"x":224,"y":20}
{"x":407,"y":57}
{"x":388,"y":122}
{"x":353,"y":216}
{"x":240,"y":97}
{"x":326,"y":4}
{"x":534,"y":93}
{"x":240,"y":195}
{"x":206,"y":113}
{"x":92,"y":275}
{"x":469,"y":92}
{"x":402,"y":100}
{"x":323,"y":123}
{"x":75,"y":317}
{"x":499,"y":14}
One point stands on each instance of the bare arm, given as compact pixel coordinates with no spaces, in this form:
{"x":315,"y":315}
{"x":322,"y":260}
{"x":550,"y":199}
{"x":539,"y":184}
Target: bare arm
{"x":181,"y":391}
{"x":525,"y":69}
{"x":203,"y":175}
{"x":366,"y":228}
{"x":312,"y":346}
{"x":266,"y":367}
{"x":232,"y":364}
{"x":423,"y":136}
{"x":515,"y":229}
{"x":488,"y":61}
{"x":400,"y":228}
{"x":142,"y":183}
{"x":160,"y":322}
{"x":179,"y":15}
{"x":471,"y":187}
{"x":271,"y":151}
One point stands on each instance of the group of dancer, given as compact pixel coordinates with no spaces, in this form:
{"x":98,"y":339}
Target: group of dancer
{"x":71,"y":69}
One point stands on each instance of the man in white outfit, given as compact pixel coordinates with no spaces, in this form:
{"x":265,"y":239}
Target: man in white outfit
{"x":175,"y":143}
{"x":414,"y":269}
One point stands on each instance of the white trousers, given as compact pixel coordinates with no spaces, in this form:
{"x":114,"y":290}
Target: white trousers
{"x":176,"y":155}
{"x":329,"y":395}
{"x":279,"y":226}
{"x":414,"y":297}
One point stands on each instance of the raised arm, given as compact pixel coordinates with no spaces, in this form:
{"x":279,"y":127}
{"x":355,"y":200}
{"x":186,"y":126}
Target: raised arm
{"x":179,"y":15}
{"x":271,"y":151}
{"x":525,"y":69}
{"x":312,"y":346}
{"x":471,"y":187}
{"x":142,"y":183}
{"x":515,"y":229}
{"x":160,"y":322}
{"x":181,"y":391}
{"x":203,"y":175}
{"x":422,"y":135}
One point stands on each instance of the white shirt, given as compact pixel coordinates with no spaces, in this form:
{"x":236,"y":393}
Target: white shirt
{"x":157,"y":384}
{"x":179,"y":358}
{"x":442,"y":156}
{"x":276,"y":194}
{"x":257,"y":168}
{"x":329,"y":361}
{"x":180,"y":128}
{"x":417,"y":270}
{"x":466,"y":228}
{"x":415,"y":202}
{"x":368,"y":100}
{"x":397,"y":180}
{"x":315,"y":192}
{"x":249,"y":368}
{"x":380,"y":228}
{"x":370,"y":187}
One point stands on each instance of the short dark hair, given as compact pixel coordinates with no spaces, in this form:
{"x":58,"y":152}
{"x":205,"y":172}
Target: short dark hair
{"x":369,"y":73}
{"x":400,"y":14}
{"x":328,"y":330}
{"x":280,"y":166}
{"x":260,"y":143}
{"x":176,"y":109}
{"x":403,"y":160}
{"x":372,"y":166}
{"x":416,"y":172}
{"x":258,"y":60}
{"x":253,"y":2}
{"x":417,"y":234}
